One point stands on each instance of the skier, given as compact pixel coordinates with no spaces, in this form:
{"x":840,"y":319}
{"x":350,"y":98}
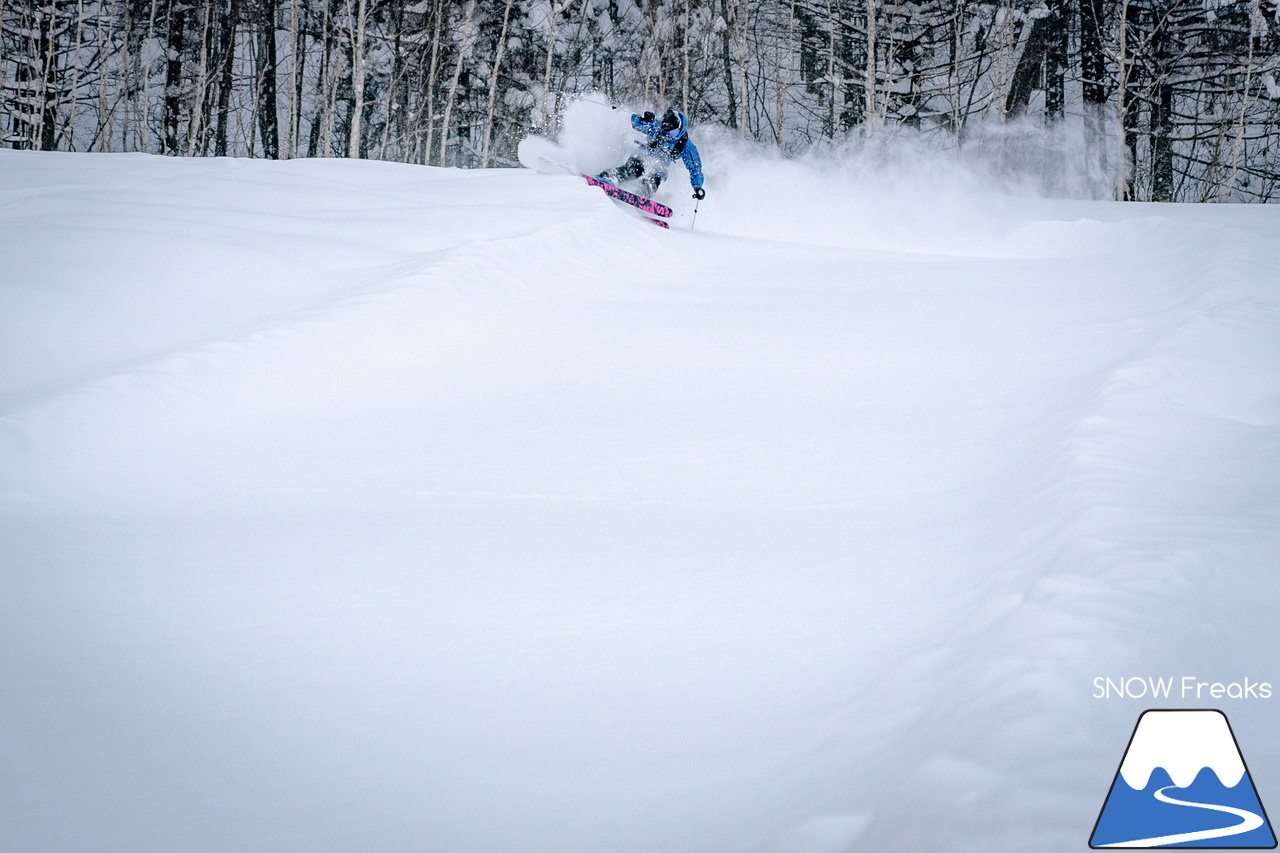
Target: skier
{"x":668,"y":138}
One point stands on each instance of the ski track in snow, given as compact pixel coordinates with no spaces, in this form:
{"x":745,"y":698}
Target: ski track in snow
{"x":355,"y":506}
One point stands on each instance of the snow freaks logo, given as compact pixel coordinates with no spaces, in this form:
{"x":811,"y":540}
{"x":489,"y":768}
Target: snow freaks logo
{"x":1183,"y":783}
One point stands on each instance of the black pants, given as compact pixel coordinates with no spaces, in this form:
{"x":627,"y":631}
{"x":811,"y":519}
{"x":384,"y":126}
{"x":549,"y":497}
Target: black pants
{"x":636,"y":169}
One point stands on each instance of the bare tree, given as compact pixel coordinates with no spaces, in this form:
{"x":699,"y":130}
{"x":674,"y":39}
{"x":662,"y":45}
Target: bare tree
{"x":493,"y":84}
{"x":457,"y":76}
{"x":357,"y":23}
{"x":429,"y":95}
{"x":1177,"y":98}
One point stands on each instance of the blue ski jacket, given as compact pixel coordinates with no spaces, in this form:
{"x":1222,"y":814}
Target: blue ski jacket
{"x":672,"y":144}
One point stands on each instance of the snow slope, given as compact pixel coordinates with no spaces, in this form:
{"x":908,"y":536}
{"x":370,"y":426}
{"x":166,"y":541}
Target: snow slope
{"x":349,"y":506}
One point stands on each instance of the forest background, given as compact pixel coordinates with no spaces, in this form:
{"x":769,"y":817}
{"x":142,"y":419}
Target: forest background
{"x":1158,"y":100}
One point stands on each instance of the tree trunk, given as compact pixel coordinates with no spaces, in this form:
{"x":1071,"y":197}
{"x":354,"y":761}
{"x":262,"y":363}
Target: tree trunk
{"x":317,"y":145}
{"x":438,"y":9}
{"x":1042,"y":65}
{"x":24,"y":83}
{"x":453,"y":85}
{"x":1093,"y":71}
{"x":1162,"y":144}
{"x":46,"y":125}
{"x":227,"y":38}
{"x":173,"y":77}
{"x":3,"y":80}
{"x":268,"y":106}
{"x":200,"y":101}
{"x":144,"y":67}
{"x":1126,"y":106}
{"x":1238,"y":141}
{"x":493,"y":85}
{"x":784,"y":74}
{"x":546,"y":77}
{"x":102,"y":138}
{"x":1161,"y":109}
{"x":728,"y":67}
{"x":357,"y":76}
{"x":1055,"y":62}
{"x":832,"y":109}
{"x":398,"y":89}
{"x":69,"y":131}
{"x":871,"y":107}
{"x":329,"y":97}
{"x":297,"y":56}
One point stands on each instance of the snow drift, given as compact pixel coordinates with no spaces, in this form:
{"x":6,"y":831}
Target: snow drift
{"x":354,"y":506}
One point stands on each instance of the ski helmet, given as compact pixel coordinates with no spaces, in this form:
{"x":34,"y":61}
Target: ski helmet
{"x":674,"y":123}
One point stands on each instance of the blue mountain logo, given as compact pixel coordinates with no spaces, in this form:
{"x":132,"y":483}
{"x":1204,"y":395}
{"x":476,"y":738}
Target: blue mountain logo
{"x":1183,"y":783}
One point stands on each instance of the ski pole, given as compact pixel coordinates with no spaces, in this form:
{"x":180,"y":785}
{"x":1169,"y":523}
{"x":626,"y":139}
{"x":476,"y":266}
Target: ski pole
{"x":696,"y":201}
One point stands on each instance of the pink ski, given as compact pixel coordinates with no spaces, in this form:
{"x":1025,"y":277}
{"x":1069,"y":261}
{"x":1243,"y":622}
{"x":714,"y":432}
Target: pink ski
{"x":645,"y":205}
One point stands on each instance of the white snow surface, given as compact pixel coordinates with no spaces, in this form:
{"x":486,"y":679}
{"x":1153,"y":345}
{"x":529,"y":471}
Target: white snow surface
{"x":1183,"y":743}
{"x":351,"y":506}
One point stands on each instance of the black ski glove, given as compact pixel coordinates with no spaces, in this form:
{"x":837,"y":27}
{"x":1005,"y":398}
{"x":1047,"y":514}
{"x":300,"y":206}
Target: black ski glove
{"x":699,"y":193}
{"x":648,"y":116}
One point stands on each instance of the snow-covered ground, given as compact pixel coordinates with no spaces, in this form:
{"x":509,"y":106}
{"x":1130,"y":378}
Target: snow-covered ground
{"x":349,"y":506}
